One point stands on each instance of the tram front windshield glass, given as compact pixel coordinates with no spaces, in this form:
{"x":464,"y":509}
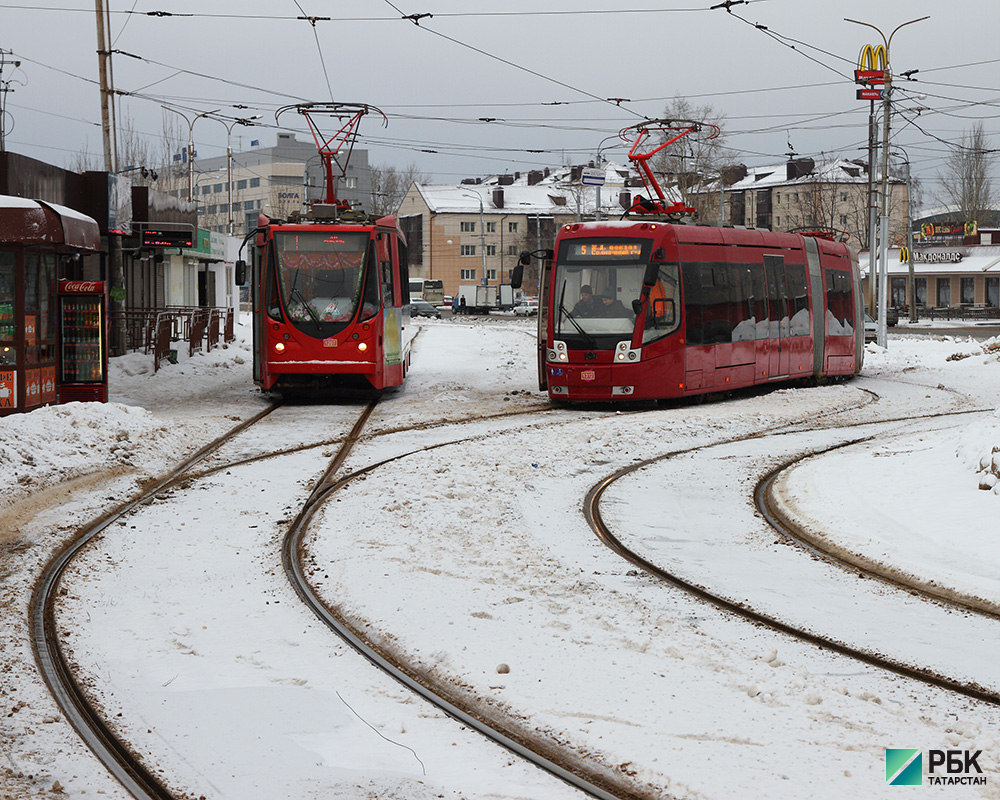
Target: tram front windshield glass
{"x":321,"y":275}
{"x":595,"y":282}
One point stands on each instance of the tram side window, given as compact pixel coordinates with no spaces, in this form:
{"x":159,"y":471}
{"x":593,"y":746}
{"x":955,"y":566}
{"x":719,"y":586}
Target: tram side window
{"x":662,"y":317}
{"x":758,"y":284}
{"x":370,"y":301}
{"x":706,"y":304}
{"x":798,"y":300}
{"x":272,"y":301}
{"x":777,"y":295}
{"x":839,"y":308}
{"x":741,"y":311}
{"x":404,"y":269}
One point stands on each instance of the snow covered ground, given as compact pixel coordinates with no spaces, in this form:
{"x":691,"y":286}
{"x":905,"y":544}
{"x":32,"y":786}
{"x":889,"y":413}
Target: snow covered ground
{"x":474,"y":559}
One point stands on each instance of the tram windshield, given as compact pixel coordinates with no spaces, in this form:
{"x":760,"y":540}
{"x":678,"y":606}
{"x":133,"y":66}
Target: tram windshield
{"x":596,"y":281}
{"x":321,"y":275}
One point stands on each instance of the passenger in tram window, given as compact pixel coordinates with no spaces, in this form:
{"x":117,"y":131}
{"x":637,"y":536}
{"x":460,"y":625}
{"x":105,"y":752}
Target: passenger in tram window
{"x":587,"y":304}
{"x":610,"y":305}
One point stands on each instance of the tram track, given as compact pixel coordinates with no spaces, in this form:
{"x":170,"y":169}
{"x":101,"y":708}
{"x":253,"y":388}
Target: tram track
{"x":115,"y":754}
{"x":970,"y":689}
{"x":516,"y":740}
{"x":768,"y":505}
{"x":118,"y":755}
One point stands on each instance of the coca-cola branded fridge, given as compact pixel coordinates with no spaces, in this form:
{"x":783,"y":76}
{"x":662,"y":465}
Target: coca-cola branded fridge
{"x":83,"y":341}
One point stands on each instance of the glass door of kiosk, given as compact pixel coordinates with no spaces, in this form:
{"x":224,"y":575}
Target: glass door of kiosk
{"x":8,"y":345}
{"x":83,"y":347}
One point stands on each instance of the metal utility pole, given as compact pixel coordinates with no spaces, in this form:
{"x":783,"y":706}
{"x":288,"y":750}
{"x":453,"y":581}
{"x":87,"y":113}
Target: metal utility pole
{"x":229,"y":162}
{"x":872,"y":207}
{"x":4,"y":89}
{"x":190,"y":147}
{"x":883,"y":274}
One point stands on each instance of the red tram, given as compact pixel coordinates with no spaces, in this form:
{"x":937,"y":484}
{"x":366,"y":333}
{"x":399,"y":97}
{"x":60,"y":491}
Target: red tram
{"x":330,"y":302}
{"x":638,"y":309}
{"x":330,"y":286}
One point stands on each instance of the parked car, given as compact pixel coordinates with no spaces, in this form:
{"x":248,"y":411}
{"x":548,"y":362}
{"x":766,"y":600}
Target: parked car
{"x":891,"y":316}
{"x":421,"y":308}
{"x":871,"y":329}
{"x":526,"y":307}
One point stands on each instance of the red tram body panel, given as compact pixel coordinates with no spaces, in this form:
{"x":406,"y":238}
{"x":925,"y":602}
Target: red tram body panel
{"x":330,"y":302}
{"x":650,"y":310}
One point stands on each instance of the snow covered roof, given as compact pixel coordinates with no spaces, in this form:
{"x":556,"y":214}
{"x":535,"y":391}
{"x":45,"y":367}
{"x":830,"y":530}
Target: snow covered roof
{"x":774,"y":175}
{"x":544,"y":199}
{"x":25,"y":221}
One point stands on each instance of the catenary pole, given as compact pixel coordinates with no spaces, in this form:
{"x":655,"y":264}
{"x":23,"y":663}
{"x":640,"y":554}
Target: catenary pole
{"x":883,"y":273}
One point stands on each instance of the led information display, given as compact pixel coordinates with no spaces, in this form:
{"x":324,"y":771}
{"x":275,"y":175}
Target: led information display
{"x":606,"y":251}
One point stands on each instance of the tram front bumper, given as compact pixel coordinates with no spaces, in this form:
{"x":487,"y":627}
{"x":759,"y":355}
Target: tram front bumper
{"x":598,"y":382}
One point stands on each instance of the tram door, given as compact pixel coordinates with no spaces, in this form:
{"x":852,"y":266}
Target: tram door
{"x":777,"y":307}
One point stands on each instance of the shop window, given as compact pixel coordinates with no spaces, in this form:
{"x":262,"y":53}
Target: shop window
{"x":993,"y":292}
{"x":968,"y":291}
{"x":944,"y":291}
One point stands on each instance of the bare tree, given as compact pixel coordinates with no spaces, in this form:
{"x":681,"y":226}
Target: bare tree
{"x":135,"y":155}
{"x":694,"y":161}
{"x":965,"y":182}
{"x":389,"y":186}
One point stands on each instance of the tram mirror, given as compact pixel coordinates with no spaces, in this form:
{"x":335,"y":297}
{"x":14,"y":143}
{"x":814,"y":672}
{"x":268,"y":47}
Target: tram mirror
{"x":652,"y":275}
{"x":637,"y":307}
{"x":241,"y":272}
{"x":517,"y":276}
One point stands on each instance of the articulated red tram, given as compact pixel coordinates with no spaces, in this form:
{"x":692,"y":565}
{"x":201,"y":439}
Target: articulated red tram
{"x":330,"y":304}
{"x":640,"y":309}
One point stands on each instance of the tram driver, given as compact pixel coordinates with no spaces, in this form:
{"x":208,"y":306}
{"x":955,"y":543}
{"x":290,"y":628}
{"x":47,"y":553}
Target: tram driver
{"x":587,"y":304}
{"x":610,"y":306}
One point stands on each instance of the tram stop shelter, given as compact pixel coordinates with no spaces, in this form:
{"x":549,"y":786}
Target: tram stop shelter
{"x":40,"y":243}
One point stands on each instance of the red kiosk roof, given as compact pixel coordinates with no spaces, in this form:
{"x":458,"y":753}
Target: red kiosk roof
{"x":26,"y":222}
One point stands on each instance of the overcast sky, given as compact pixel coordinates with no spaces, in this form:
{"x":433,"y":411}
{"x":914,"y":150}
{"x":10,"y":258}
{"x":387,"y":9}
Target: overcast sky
{"x":780,"y":71}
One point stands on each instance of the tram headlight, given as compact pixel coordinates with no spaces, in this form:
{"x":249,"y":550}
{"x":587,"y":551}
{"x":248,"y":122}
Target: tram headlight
{"x":558,"y":352}
{"x":279,"y":347}
{"x":362,"y":346}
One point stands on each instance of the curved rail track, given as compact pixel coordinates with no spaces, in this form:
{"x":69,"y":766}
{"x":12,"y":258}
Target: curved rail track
{"x":52,"y":663}
{"x":743,"y":610}
{"x":117,"y":755}
{"x":137,"y":778}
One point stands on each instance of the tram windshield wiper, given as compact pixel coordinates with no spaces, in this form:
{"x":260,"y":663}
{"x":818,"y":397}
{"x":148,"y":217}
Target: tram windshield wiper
{"x":296,"y":294}
{"x":591,"y":341}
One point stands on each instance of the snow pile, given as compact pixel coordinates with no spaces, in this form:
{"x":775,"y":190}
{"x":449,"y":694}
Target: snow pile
{"x":980,"y":448}
{"x":53,"y":444}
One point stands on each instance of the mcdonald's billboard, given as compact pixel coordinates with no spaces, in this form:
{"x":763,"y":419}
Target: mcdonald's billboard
{"x":870,"y":72}
{"x":872,"y":58}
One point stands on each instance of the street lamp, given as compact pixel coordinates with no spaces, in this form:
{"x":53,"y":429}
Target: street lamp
{"x":883,"y":282}
{"x":597,"y":189}
{"x":482,"y":231}
{"x":190,"y":150}
{"x":248,"y":121}
{"x":911,"y":294}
